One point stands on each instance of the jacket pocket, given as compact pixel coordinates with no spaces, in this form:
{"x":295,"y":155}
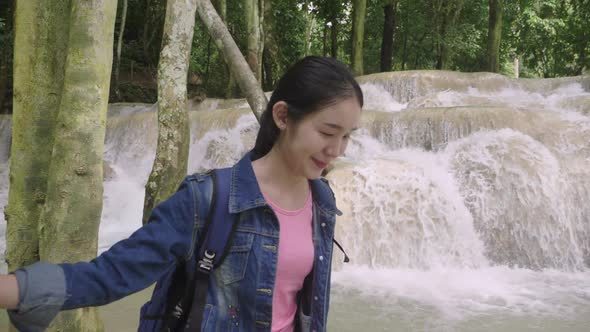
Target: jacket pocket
{"x":234,"y":264}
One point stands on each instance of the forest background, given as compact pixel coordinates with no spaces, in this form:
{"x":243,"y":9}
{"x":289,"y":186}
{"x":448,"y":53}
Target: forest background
{"x":550,"y":38}
{"x":74,"y":56}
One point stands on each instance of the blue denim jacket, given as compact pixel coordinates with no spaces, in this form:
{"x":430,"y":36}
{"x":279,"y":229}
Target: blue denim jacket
{"x":241,"y":291}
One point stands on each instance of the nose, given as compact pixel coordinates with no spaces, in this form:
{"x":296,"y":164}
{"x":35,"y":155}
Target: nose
{"x":336,"y":148}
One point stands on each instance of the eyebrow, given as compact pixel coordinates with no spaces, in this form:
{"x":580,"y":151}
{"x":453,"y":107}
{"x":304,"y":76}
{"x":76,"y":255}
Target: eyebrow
{"x":335,"y":126}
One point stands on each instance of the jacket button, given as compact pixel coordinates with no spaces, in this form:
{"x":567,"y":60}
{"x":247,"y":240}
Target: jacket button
{"x":323,"y":224}
{"x":321,"y":258}
{"x":315,"y":298}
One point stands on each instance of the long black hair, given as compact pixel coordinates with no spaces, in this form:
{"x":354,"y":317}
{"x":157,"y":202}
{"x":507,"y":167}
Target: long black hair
{"x":309,"y":85}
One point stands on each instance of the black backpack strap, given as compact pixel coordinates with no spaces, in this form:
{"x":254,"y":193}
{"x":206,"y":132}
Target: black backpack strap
{"x":346,"y":259}
{"x":179,"y":298}
{"x":217,"y":240}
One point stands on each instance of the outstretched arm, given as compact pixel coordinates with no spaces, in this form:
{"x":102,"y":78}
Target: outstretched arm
{"x":36,"y":293}
{"x":8,"y":292}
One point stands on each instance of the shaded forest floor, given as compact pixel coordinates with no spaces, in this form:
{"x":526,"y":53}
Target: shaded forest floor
{"x":136,"y":85}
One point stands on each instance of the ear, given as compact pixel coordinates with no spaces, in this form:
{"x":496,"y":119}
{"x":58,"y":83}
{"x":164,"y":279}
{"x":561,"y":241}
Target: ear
{"x":279,"y":114}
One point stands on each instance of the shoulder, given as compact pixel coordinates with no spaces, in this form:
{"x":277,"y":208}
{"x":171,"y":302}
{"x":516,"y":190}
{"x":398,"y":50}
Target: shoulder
{"x":208,"y":174}
{"x":199,"y":176}
{"x":202,"y":183}
{"x":324,"y":194}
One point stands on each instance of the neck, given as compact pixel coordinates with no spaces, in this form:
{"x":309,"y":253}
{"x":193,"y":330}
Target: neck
{"x":273,"y":173}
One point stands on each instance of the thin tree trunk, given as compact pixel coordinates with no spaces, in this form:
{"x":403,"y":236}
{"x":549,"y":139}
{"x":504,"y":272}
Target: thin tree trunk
{"x":325,"y":49}
{"x":253,"y":10}
{"x":208,"y":60}
{"x":388,"y":32}
{"x":270,"y":52}
{"x":231,"y":82}
{"x":71,"y":216}
{"x":6,"y":54}
{"x":40,"y":45}
{"x":146,"y":40}
{"x":267,"y":64}
{"x":171,"y":162}
{"x":582,"y":60}
{"x":232,"y":55}
{"x":441,"y":46}
{"x":358,"y":35}
{"x":334,"y":38}
{"x":450,"y":11}
{"x":405,"y":46}
{"x":119,"y":46}
{"x":309,"y":24}
{"x":494,"y":36}
{"x":221,"y":7}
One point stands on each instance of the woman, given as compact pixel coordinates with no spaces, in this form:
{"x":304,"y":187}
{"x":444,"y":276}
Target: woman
{"x":283,"y":277}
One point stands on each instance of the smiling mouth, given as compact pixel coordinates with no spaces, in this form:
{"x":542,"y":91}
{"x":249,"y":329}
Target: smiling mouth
{"x":319,"y":164}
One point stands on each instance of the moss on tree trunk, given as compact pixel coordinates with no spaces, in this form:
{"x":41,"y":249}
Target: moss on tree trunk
{"x":170,"y":164}
{"x":41,"y":30}
{"x":68,"y":227}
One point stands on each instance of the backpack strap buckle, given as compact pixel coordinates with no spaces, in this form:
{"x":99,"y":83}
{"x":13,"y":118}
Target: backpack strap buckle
{"x":205,"y":264}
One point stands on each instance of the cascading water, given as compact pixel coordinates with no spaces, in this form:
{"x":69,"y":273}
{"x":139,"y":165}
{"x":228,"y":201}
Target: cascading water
{"x":464,"y":199}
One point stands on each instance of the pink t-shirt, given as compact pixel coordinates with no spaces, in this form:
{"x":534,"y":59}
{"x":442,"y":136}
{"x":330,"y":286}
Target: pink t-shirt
{"x":294,"y":263}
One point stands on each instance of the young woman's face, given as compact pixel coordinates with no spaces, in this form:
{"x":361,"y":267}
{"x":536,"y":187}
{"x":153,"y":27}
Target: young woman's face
{"x":320,"y":137}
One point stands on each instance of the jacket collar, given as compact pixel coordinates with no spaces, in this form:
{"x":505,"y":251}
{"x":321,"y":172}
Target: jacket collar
{"x":245,"y":193}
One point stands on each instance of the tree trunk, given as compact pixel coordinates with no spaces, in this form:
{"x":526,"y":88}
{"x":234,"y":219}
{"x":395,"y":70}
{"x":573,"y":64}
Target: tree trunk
{"x":270,"y":52}
{"x":334,"y":38}
{"x":221,"y":7}
{"x":6,"y":55}
{"x":232,"y":55}
{"x":325,"y":39}
{"x":441,"y":47}
{"x":68,"y":230}
{"x":359,"y":8}
{"x":267,"y":61}
{"x":388,"y":32}
{"x":309,"y":24}
{"x":405,"y":44}
{"x":41,"y":35}
{"x":119,"y":46}
{"x":253,"y":12}
{"x":449,"y":11}
{"x":494,"y":36}
{"x":231,"y":82}
{"x":145,"y":39}
{"x":171,"y":162}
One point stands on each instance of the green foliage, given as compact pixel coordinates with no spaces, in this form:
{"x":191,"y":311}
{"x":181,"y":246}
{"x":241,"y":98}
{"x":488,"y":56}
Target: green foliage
{"x":549,"y":37}
{"x":289,"y":27}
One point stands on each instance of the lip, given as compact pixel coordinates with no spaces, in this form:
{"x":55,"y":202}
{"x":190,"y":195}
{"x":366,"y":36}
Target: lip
{"x":319,"y":164}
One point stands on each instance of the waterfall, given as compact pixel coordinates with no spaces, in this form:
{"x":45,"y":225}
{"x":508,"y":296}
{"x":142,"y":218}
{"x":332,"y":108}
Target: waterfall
{"x":464,"y":195}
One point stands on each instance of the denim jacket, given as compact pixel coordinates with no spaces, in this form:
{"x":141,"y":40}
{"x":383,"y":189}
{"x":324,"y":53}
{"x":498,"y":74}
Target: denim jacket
{"x":241,"y":290}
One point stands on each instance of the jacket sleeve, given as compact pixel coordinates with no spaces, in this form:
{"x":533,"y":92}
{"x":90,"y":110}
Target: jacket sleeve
{"x":127,"y":267}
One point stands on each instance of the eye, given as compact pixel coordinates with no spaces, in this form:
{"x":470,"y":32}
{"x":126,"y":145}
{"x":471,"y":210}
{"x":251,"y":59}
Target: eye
{"x":326,"y":134}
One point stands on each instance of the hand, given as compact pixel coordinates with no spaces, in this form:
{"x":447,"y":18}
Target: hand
{"x":8,"y":292}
